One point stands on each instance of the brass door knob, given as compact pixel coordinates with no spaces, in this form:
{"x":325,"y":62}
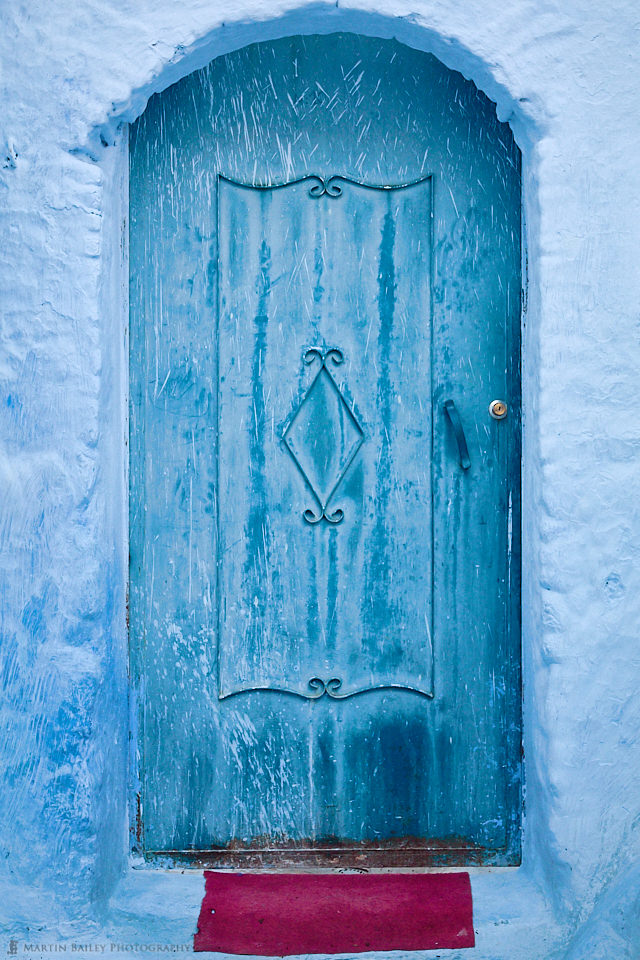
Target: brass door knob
{"x":498,"y":409}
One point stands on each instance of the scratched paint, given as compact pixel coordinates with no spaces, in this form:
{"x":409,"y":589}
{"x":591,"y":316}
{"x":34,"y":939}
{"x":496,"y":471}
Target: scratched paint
{"x":285,"y":547}
{"x":409,"y":605}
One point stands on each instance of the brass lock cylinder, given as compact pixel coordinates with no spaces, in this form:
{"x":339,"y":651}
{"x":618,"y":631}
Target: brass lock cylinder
{"x":498,"y":409}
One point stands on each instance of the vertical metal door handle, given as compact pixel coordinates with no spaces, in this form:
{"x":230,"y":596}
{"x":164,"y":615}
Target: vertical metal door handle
{"x":456,"y":423}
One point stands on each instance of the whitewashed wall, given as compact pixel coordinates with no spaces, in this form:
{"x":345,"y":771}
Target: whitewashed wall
{"x":566,"y":75}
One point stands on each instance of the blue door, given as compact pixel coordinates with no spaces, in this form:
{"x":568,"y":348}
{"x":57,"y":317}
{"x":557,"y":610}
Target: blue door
{"x":324,"y":584}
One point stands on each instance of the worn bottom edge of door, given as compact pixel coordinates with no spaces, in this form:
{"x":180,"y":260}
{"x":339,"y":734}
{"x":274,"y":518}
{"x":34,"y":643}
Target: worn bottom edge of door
{"x":341,"y":857}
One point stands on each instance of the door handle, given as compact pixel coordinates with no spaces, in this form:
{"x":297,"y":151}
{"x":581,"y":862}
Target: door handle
{"x":456,"y":423}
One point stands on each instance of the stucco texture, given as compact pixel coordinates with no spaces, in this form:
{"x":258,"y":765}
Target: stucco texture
{"x":565,"y":75}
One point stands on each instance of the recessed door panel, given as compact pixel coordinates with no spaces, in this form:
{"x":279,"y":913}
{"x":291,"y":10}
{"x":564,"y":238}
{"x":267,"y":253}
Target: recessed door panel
{"x":324,"y":456}
{"x":325,"y":301}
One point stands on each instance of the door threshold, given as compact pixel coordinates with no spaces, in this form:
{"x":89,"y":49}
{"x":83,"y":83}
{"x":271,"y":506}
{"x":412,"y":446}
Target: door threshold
{"x":332,"y":859}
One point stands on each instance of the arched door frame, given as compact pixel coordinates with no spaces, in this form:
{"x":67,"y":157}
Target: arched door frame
{"x":527,"y":122}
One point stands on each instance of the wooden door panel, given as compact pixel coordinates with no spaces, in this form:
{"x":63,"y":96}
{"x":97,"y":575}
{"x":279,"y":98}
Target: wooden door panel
{"x":324,"y":456}
{"x":325,"y":641}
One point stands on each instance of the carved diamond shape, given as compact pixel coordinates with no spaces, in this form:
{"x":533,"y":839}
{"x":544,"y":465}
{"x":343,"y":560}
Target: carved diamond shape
{"x":323,"y":437}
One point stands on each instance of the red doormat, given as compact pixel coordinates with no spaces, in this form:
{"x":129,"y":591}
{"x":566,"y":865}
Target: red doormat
{"x":279,"y":915}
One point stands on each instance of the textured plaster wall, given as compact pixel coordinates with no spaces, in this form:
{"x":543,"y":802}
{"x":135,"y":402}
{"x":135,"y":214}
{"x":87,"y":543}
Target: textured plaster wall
{"x":566,"y":76}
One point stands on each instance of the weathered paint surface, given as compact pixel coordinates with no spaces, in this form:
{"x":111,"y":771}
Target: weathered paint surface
{"x":564,"y":76}
{"x":325,"y":549}
{"x":324,"y":605}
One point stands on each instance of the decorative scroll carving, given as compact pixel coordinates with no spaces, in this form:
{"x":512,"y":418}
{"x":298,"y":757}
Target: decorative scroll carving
{"x":320,"y":687}
{"x":323,"y":413}
{"x":326,"y":188}
{"x":331,"y":688}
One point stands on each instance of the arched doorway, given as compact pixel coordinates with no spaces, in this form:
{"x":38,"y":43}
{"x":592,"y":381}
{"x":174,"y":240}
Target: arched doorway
{"x":325,"y":532}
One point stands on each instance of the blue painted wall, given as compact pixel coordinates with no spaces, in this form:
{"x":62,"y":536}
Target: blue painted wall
{"x":564,"y":77}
